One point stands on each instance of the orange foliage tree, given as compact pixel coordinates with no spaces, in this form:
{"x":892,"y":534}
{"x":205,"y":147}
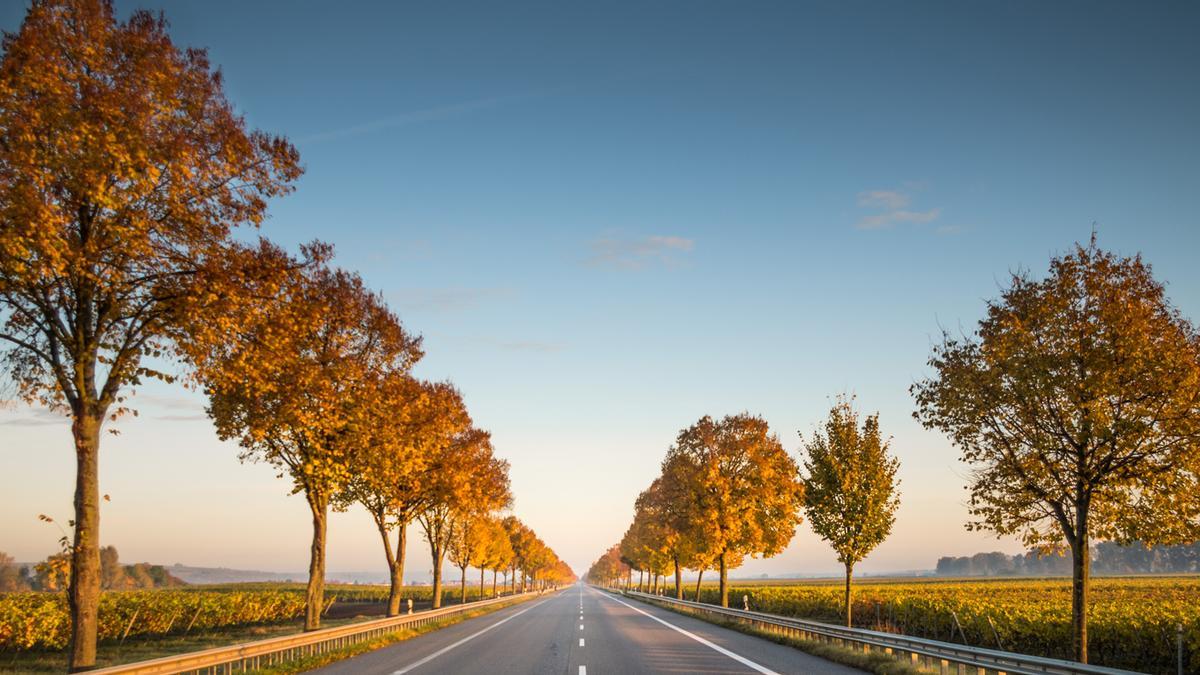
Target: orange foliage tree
{"x":295,"y":387}
{"x":1077,"y":405}
{"x":608,"y":570}
{"x":743,"y":488}
{"x":411,"y":424}
{"x":499,"y":554}
{"x":123,"y":169}
{"x":464,"y":480}
{"x":469,"y":547}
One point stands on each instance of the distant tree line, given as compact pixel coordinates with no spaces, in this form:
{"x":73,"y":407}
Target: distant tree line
{"x":1106,"y":558}
{"x":53,"y":573}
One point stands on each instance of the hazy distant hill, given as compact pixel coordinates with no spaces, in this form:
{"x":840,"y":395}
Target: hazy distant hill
{"x":225,"y":575}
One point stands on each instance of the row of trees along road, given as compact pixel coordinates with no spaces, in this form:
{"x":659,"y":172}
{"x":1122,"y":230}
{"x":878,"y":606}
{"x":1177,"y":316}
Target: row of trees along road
{"x":729,"y":490}
{"x":1076,"y":404}
{"x":124,"y":172}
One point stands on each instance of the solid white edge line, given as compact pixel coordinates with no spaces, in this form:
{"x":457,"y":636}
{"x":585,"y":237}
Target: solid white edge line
{"x":472,"y":636}
{"x":736,"y":657}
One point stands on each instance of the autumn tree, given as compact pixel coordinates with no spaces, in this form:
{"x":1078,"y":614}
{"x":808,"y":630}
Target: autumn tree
{"x":632,"y":552}
{"x":465,"y":481}
{"x":410,"y":423}
{"x":294,"y":385}
{"x":671,"y":500}
{"x":521,"y":540}
{"x":1077,"y":405}
{"x":12,"y":577}
{"x":499,"y":553}
{"x":645,"y":546}
{"x":122,"y":165}
{"x":850,"y":487}
{"x":743,"y":488}
{"x":538,"y":558}
{"x":657,"y":509}
{"x":468,"y":547}
{"x":560,"y":574}
{"x":608,"y":570}
{"x":112,"y":573}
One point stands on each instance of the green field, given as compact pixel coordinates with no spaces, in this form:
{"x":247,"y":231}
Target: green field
{"x":1133,"y":619}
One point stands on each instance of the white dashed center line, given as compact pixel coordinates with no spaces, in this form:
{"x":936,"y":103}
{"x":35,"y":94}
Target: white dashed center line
{"x":582,"y":670}
{"x":580,"y":642}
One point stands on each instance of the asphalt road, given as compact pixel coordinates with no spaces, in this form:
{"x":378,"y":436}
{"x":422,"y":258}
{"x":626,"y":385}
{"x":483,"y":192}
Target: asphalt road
{"x":582,"y":631}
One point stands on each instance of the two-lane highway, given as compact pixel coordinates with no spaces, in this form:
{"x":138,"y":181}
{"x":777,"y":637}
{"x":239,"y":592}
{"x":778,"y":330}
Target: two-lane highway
{"x":583,"y":631}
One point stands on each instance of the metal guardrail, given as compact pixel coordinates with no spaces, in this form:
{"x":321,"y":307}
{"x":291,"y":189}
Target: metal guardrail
{"x":249,"y":656}
{"x":944,"y":657}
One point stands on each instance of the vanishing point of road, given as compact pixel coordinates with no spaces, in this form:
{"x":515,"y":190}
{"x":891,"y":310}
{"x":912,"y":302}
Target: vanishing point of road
{"x":584,"y":631}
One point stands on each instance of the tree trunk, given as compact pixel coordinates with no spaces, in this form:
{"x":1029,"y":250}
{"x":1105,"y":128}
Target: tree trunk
{"x":724,"y":582}
{"x":1081,"y":570}
{"x":495,"y":573}
{"x":83,"y":595}
{"x":481,"y":582}
{"x":435,"y":551}
{"x":678,"y":581}
{"x":314,"y":597}
{"x":699,"y":578}
{"x":641,"y":579}
{"x":849,"y":611}
{"x":398,"y":572}
{"x":463,"y":601}
{"x":395,"y":563}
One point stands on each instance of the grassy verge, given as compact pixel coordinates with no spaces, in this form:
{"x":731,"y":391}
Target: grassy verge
{"x":152,"y":647}
{"x":874,"y":662}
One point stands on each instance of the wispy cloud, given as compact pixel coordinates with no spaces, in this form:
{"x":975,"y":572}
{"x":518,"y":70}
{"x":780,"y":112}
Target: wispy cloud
{"x":411,"y":117}
{"x":182,"y":418}
{"x":893,"y":204}
{"x":169,"y":402}
{"x":888,"y":199}
{"x":528,"y":346}
{"x":640,"y":252}
{"x":881,"y":220}
{"x":444,"y":299}
{"x":505,"y":344}
{"x":20,"y":415}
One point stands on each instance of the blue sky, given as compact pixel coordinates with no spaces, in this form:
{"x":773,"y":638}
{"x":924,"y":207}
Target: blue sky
{"x":610,"y":219}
